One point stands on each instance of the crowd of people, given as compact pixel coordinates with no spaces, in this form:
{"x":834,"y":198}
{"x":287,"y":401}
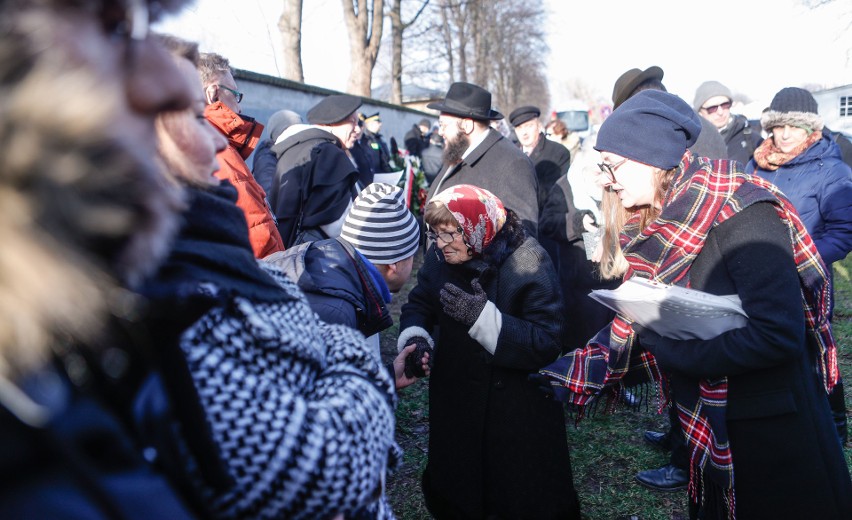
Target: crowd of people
{"x":185,"y":336}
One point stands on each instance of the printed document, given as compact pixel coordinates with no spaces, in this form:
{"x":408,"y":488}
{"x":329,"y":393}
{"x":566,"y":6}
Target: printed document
{"x":672,"y":311}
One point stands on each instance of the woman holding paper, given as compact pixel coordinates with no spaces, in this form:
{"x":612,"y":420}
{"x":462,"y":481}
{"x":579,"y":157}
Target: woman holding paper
{"x":496,"y":444}
{"x":751,"y":400}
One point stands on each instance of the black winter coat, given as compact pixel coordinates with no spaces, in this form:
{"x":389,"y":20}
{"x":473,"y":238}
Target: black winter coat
{"x":787,"y":460}
{"x":741,"y":139}
{"x":562,"y":223}
{"x":500,"y":167}
{"x":551,"y":161}
{"x":314,"y":175}
{"x":497,"y":445}
{"x":264,"y":163}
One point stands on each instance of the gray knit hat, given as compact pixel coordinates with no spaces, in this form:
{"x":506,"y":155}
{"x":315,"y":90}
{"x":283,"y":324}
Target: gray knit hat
{"x":280,"y":121}
{"x":380,"y":226}
{"x":710,"y":89}
{"x":795,"y":107}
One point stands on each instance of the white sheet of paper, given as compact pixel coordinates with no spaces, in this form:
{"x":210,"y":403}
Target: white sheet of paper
{"x":672,"y":311}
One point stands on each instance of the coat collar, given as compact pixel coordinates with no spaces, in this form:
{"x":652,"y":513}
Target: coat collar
{"x":242,"y":131}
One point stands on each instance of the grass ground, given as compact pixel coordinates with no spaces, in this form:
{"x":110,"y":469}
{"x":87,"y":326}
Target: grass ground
{"x":606,"y":451}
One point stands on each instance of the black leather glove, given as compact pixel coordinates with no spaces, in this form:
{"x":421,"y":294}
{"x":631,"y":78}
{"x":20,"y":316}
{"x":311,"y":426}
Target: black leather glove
{"x":550,"y":391}
{"x":414,"y":361}
{"x":462,"y":306}
{"x":648,"y":339}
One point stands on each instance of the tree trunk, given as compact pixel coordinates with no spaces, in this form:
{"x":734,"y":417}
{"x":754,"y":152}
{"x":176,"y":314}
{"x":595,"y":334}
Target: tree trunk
{"x":365,"y":37}
{"x":290,"y":26}
{"x":397,"y":29}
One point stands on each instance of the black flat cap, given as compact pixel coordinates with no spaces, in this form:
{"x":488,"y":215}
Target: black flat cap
{"x":333,"y":109}
{"x":521,"y":115}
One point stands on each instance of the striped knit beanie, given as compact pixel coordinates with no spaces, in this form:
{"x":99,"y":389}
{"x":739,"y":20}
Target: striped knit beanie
{"x":380,"y":226}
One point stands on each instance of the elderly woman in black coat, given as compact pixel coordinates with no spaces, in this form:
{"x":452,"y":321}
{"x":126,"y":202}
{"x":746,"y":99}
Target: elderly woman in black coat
{"x":487,"y":301}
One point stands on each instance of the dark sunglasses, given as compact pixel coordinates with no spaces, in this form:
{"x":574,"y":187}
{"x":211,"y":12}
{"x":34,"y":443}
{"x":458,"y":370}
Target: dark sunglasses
{"x":712,"y":110}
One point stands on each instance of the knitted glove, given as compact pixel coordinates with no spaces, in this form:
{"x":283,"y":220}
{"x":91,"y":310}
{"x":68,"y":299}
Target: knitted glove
{"x":414,"y":361}
{"x":461,"y":306}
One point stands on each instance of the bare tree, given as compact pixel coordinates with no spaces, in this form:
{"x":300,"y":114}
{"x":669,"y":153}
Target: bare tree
{"x":364,"y":25}
{"x":290,"y":25}
{"x":398,"y":28}
{"x":499,"y":44}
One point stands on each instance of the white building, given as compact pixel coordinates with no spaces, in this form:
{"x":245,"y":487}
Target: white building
{"x":835,"y":108}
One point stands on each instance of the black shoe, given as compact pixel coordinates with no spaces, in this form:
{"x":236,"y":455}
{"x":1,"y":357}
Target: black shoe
{"x":667,"y":478}
{"x":658,"y":440}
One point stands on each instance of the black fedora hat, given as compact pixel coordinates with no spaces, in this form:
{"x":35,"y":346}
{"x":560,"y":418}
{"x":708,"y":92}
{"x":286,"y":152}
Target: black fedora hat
{"x":627,"y":83}
{"x":467,"y":100}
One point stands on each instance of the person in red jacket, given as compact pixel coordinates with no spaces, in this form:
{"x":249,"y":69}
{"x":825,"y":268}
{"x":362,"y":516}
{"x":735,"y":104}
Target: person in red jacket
{"x":243,"y":133}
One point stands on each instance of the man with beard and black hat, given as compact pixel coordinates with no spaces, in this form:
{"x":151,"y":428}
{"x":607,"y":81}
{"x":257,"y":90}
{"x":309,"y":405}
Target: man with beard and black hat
{"x":476,"y":154}
{"x":316,"y":181}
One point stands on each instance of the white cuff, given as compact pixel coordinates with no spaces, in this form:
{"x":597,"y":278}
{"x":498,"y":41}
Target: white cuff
{"x":486,"y":328}
{"x":412,"y":332}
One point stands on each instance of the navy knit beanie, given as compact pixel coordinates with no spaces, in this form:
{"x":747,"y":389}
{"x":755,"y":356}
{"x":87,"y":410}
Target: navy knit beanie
{"x":795,"y":107}
{"x":652,"y":127}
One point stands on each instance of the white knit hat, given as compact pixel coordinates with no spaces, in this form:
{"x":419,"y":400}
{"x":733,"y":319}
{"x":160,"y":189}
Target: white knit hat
{"x":380,"y":226}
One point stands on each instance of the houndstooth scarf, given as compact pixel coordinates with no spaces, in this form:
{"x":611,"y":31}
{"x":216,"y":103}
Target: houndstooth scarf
{"x":702,"y":196}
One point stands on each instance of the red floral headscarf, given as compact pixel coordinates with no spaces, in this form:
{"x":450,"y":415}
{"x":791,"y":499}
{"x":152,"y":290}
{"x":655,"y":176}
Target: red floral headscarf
{"x":479,"y":212}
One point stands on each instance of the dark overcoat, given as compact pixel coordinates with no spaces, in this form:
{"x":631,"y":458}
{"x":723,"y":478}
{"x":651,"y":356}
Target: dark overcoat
{"x":313,"y":175}
{"x":551,"y":160}
{"x":787,"y":460}
{"x":500,"y":167}
{"x":497,"y":445}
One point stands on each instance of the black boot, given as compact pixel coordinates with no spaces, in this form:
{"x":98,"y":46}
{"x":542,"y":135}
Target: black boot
{"x":837,"y":403}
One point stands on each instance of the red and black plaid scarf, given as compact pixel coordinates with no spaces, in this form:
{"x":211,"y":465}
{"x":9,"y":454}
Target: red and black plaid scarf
{"x":702,"y":196}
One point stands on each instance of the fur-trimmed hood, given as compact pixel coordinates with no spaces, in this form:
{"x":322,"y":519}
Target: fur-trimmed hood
{"x":771,"y":118}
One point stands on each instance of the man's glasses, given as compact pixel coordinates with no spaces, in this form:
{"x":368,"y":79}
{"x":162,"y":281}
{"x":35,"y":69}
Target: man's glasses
{"x":237,"y":94}
{"x":447,"y":237}
{"x":712,"y":110}
{"x":609,"y":169}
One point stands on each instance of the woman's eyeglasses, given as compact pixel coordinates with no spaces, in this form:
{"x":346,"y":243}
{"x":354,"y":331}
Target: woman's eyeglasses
{"x":609,"y":169}
{"x":712,"y":110}
{"x":447,"y":237}
{"x":237,"y":94}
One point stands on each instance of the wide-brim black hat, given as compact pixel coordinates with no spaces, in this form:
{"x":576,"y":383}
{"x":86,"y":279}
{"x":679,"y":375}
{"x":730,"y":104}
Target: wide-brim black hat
{"x":467,"y":100}
{"x":627,"y":83}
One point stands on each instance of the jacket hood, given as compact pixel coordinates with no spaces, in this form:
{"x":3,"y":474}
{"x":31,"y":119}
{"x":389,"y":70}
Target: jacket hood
{"x":298,"y":134}
{"x":242,"y":131}
{"x":328,"y":268}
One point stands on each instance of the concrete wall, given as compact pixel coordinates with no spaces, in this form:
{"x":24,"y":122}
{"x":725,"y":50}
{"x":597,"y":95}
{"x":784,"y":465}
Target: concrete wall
{"x":265,"y":95}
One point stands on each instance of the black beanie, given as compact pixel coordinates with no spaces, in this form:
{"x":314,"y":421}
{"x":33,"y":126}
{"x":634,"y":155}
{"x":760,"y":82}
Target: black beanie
{"x":795,"y":107}
{"x":652,"y":127}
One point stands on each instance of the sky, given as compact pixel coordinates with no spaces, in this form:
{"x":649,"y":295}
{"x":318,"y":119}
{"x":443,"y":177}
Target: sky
{"x":754,"y":47}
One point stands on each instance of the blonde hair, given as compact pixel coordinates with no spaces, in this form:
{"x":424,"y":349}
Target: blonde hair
{"x":615,"y":216}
